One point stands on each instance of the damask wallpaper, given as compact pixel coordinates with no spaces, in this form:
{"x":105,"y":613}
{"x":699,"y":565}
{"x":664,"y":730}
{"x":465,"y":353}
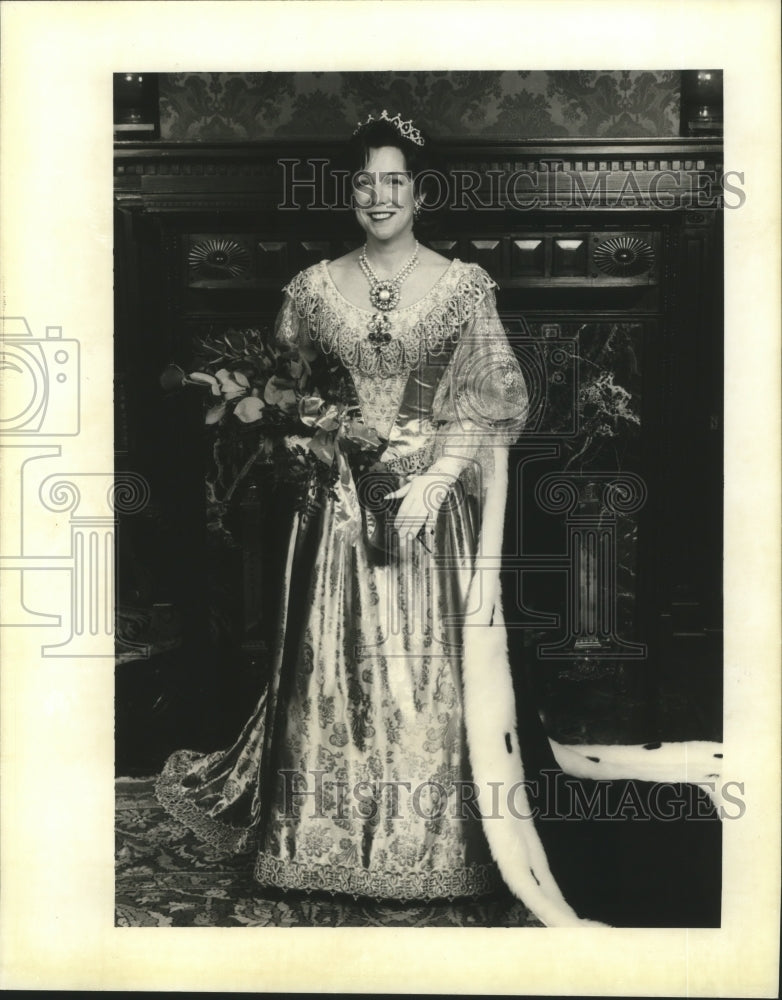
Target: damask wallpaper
{"x":516,"y":104}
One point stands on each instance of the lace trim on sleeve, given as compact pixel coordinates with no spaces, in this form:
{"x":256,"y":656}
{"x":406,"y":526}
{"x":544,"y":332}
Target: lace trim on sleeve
{"x":287,"y":324}
{"x":482,"y":402}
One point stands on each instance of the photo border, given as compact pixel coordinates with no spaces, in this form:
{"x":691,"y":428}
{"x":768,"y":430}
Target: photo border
{"x":57,"y":713}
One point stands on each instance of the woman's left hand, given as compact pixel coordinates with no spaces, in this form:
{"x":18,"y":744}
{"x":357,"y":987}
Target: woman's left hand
{"x":423,"y":496}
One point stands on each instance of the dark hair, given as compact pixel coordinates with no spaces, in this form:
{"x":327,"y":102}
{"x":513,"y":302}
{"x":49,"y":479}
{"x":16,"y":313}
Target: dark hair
{"x":383,"y":133}
{"x":418,"y":159}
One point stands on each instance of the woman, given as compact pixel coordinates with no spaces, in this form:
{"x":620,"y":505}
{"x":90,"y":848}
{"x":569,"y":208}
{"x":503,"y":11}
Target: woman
{"x":372,"y":761}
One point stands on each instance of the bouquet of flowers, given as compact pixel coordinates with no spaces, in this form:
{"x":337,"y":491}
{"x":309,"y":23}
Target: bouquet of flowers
{"x":267,"y":409}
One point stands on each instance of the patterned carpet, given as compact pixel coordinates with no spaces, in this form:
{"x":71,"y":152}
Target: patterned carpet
{"x":165,"y":877}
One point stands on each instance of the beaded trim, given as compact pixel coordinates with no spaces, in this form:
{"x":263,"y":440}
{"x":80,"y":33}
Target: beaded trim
{"x":314,"y":298}
{"x":470,"y":880}
{"x":414,"y":462}
{"x":384,"y":292}
{"x":178,"y":802}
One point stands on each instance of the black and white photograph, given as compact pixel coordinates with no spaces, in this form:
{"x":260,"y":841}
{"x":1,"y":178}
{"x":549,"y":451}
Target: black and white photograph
{"x":382,"y":535}
{"x":423,"y":371}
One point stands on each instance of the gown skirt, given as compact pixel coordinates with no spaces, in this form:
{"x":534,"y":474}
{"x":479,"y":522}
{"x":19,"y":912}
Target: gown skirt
{"x":352,"y":774}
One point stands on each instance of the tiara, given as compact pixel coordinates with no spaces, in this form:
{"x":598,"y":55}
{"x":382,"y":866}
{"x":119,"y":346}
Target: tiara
{"x":405,"y":128}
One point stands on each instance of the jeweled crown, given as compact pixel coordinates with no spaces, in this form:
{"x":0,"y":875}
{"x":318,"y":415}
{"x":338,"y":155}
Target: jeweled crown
{"x":405,"y":128}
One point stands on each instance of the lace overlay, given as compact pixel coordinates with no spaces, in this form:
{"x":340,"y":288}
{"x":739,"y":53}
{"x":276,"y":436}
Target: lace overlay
{"x":481,"y":399}
{"x":379,"y":399}
{"x":175,"y":799}
{"x":341,"y":327}
{"x":481,"y":402}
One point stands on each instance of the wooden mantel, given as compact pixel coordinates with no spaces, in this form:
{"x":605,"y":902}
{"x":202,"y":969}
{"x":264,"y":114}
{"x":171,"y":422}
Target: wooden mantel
{"x":557,"y":174}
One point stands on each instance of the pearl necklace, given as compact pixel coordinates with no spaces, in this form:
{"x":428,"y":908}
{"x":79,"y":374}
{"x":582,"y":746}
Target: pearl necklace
{"x":384,"y":295}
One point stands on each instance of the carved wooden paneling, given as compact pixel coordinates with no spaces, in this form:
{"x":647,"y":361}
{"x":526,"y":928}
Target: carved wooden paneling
{"x":628,"y":256}
{"x":487,"y":253}
{"x":274,"y":263}
{"x":583,"y":258}
{"x":448,"y":248}
{"x":308,"y":252}
{"x":528,"y":257}
{"x":219,"y":261}
{"x":569,"y":257}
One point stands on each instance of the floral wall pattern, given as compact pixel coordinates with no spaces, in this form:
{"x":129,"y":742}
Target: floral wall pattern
{"x":516,"y":104}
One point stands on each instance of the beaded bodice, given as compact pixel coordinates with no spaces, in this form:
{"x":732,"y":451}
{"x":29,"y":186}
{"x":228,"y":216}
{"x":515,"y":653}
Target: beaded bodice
{"x":380,"y":372}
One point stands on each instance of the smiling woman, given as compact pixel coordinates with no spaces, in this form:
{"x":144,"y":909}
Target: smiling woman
{"x":386,"y":756}
{"x":365,"y":698}
{"x":384,"y":194}
{"x":391,"y":176}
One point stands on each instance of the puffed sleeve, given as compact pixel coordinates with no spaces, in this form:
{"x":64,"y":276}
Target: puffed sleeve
{"x":482,"y":399}
{"x":292,"y":326}
{"x":287,"y":326}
